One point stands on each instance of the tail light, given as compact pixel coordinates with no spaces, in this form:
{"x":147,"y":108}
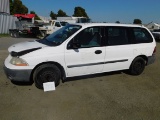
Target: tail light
{"x":154,"y":50}
{"x":29,"y":31}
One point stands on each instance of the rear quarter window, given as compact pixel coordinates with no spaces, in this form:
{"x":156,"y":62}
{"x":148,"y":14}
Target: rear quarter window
{"x":141,"y":35}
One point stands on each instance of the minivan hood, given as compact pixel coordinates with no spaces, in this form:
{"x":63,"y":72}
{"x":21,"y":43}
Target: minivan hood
{"x":27,"y":45}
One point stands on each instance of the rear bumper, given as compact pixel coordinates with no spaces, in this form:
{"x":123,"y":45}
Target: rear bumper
{"x":17,"y":75}
{"x":151,"y":59}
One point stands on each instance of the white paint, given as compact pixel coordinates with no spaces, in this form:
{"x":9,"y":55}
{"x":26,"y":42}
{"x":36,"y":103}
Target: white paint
{"x":49,"y":86}
{"x":69,"y":57}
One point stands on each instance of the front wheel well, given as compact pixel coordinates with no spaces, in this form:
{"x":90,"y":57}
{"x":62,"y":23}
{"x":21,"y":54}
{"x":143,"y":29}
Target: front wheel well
{"x":63,"y":74}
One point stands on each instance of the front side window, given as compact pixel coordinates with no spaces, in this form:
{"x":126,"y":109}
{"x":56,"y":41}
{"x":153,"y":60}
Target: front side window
{"x":117,"y":36}
{"x":142,"y":35}
{"x":60,"y":35}
{"x":89,"y":37}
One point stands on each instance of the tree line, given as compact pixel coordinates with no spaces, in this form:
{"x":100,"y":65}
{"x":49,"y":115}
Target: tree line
{"x":135,"y":21}
{"x":78,"y":12}
{"x":17,"y":7}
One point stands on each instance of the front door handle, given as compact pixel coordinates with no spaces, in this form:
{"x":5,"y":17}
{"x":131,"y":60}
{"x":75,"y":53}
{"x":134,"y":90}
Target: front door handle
{"x":98,"y":52}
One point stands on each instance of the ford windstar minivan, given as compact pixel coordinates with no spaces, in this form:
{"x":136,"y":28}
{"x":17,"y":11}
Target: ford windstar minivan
{"x":81,"y":49}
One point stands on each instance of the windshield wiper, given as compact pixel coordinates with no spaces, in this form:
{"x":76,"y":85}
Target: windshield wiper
{"x":47,"y":42}
{"x":52,"y":42}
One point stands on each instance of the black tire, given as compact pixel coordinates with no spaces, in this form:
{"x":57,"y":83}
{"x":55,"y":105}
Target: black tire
{"x":16,"y":34}
{"x":20,"y":18}
{"x":137,"y":66}
{"x":46,"y":73}
{"x":43,"y":33}
{"x":11,"y":33}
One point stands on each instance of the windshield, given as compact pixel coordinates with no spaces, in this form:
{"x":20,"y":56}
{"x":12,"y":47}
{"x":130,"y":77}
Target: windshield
{"x":60,"y":35}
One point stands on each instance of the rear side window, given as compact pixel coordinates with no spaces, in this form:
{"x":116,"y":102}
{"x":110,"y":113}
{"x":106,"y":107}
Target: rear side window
{"x":141,"y":35}
{"x":117,"y":36}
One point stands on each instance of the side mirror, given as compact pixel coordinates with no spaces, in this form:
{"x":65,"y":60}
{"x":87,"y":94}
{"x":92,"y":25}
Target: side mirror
{"x":74,"y":44}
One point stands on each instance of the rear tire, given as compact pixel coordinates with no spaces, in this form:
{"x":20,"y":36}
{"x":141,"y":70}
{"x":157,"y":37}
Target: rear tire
{"x":137,"y":66}
{"x":11,"y":33}
{"x":16,"y":34}
{"x":46,"y":73}
{"x":43,"y":34}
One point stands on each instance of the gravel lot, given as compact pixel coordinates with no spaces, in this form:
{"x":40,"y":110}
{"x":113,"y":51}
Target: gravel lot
{"x":108,"y":96}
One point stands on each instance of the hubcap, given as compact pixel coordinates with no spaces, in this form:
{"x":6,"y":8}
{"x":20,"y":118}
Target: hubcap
{"x":138,"y":66}
{"x":48,"y":76}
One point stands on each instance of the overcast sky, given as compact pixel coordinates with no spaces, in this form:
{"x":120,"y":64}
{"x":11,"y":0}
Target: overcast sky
{"x":124,"y":11}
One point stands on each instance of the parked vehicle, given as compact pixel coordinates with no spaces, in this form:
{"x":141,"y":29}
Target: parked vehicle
{"x":72,"y":20}
{"x":47,"y":28}
{"x":156,"y":34}
{"x":23,"y":25}
{"x":27,"y":17}
{"x":81,"y":49}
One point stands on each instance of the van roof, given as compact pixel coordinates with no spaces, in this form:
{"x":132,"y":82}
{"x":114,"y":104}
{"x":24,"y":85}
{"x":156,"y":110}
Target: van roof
{"x":107,"y":24}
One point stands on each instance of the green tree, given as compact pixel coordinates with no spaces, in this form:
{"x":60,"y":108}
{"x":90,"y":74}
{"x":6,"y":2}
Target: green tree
{"x":137,"y":21}
{"x":36,"y":16}
{"x":17,"y":7}
{"x":61,"y":13}
{"x":24,"y":9}
{"x":117,"y":22}
{"x":11,"y":7}
{"x":80,"y":12}
{"x":52,"y":15}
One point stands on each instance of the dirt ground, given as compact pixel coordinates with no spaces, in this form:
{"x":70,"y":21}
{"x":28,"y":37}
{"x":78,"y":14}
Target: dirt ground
{"x":108,"y":96}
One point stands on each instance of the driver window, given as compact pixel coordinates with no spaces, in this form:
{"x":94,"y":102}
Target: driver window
{"x":89,"y":37}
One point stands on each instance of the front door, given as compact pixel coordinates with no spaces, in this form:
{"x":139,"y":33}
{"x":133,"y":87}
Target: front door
{"x":89,"y":55}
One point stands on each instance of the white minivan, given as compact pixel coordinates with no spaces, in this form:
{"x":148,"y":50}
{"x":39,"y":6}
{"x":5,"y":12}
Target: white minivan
{"x":81,"y":49}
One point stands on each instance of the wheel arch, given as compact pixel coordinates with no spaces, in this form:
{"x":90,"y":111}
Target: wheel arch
{"x":141,"y":56}
{"x":63,"y":73}
{"x":138,"y":65}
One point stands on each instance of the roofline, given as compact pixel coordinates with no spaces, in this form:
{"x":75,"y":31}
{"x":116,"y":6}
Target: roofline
{"x":108,"y":24}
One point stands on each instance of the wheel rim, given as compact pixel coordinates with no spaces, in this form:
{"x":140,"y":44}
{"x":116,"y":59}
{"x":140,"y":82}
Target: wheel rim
{"x":11,"y":34}
{"x":43,"y":34}
{"x":46,"y":76}
{"x":15,"y":34}
{"x":138,"y":66}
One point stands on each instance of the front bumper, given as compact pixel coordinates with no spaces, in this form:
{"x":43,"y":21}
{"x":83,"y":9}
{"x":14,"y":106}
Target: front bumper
{"x":17,"y":75}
